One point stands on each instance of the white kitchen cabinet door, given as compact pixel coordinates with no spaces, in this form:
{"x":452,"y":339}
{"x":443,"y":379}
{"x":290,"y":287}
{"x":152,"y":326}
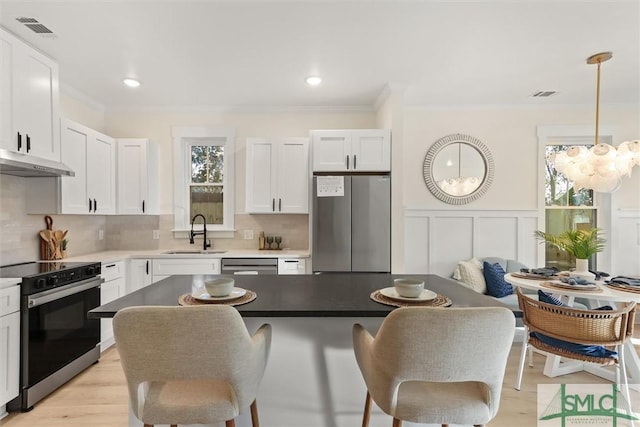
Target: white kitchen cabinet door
{"x":101,"y":174}
{"x":73,"y":191}
{"x":9,"y":356}
{"x":277,"y":174}
{"x":293,"y":176}
{"x":137,"y":177}
{"x":29,"y":100}
{"x":9,"y":343}
{"x":331,"y":150}
{"x":371,"y":150}
{"x":261,"y":177}
{"x":139,"y":274}
{"x":113,"y":287}
{"x":361,"y":150}
{"x":172,"y":266}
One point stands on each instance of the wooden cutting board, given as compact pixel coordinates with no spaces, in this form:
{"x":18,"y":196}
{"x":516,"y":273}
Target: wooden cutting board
{"x":45,"y":249}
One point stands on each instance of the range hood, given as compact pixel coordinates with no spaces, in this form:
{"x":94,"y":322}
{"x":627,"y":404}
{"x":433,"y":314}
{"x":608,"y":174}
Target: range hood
{"x":31,"y":166}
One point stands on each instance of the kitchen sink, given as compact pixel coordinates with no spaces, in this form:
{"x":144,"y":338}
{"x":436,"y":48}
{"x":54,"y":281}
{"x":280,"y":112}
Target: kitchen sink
{"x":193,"y":252}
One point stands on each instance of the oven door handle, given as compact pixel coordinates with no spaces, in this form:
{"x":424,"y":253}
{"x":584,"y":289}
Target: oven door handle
{"x":64,"y":291}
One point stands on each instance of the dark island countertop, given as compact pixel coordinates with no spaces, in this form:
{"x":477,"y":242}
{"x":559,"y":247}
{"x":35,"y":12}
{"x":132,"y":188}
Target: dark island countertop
{"x":318,"y":295}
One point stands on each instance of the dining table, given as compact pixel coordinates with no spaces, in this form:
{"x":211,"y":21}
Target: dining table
{"x":312,"y":377}
{"x":596,"y":296}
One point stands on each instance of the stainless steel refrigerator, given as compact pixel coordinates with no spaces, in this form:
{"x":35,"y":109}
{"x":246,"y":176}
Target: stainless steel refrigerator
{"x":351,"y":223}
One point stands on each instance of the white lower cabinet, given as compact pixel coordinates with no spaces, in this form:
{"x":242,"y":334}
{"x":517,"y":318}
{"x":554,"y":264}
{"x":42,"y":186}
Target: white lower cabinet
{"x":114,"y":287}
{"x":9,"y":344}
{"x":166,"y":267}
{"x":292,"y":266}
{"x":139,"y":274}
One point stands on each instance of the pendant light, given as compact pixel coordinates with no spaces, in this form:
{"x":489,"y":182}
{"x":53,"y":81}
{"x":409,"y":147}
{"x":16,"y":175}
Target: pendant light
{"x":602,"y":166}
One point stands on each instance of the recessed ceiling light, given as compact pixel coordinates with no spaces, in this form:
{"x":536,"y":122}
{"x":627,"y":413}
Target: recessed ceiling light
{"x":131,"y":82}
{"x":313,"y":80}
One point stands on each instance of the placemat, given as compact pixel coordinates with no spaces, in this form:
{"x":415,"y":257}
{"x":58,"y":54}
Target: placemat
{"x":567,"y":287}
{"x":624,"y":288}
{"x":188,"y":299}
{"x":438,"y":301}
{"x":532,"y":276}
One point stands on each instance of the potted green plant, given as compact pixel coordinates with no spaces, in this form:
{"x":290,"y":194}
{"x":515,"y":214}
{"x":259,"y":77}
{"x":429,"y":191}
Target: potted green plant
{"x":582,"y":244}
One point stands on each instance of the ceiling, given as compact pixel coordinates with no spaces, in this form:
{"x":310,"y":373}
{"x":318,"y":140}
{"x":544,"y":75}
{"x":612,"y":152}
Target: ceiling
{"x":256,"y":54}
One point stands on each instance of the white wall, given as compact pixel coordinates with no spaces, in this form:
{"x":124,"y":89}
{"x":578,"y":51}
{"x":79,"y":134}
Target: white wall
{"x":510,"y":135}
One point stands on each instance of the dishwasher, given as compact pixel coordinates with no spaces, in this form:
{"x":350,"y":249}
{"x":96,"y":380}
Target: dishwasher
{"x":249,"y":266}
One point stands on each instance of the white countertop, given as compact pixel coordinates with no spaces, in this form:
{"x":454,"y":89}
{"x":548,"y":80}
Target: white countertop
{"x":6,"y":282}
{"x":112,"y":256}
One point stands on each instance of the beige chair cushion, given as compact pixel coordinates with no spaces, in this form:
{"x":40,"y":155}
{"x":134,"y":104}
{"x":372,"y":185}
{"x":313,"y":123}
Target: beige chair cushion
{"x":437,"y":365}
{"x":192,"y":365}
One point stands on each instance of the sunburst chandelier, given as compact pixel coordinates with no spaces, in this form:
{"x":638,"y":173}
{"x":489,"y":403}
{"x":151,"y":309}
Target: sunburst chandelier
{"x":602,"y":166}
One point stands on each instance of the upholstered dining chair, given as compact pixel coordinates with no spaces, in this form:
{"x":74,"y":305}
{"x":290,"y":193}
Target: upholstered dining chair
{"x":190,"y":365}
{"x":577,"y":334}
{"x":436,"y":365}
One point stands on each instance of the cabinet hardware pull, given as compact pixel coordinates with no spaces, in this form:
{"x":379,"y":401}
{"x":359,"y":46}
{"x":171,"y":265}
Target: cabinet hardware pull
{"x":28,"y":143}
{"x":354,"y":162}
{"x":147,"y":267}
{"x":109,"y":266}
{"x":95,"y":205}
{"x":347,"y":162}
{"x":143,"y":206}
{"x":280,"y":205}
{"x":273,"y":205}
{"x":19,"y":141}
{"x":90,"y":205}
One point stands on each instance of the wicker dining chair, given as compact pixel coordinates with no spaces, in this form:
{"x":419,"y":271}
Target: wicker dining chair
{"x":608,"y":328}
{"x":190,"y":365}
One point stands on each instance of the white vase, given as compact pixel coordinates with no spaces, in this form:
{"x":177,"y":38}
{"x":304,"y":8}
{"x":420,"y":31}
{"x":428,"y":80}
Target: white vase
{"x":582,"y":269}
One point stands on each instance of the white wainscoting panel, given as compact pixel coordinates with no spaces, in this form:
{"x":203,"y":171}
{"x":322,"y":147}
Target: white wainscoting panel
{"x":435,"y":240}
{"x":626,"y":242}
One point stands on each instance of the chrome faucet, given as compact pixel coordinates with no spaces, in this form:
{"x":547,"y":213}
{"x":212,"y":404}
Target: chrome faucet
{"x":193,"y":233}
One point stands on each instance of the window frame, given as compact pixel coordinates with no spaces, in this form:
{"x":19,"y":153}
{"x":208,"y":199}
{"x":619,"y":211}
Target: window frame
{"x":183,"y":138}
{"x":574,"y":135}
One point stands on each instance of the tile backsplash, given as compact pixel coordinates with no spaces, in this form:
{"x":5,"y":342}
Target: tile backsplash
{"x":19,"y":239}
{"x":19,"y":232}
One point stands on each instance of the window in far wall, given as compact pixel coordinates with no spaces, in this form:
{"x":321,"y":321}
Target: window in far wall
{"x":203,"y":177}
{"x":206,"y":187}
{"x":566,"y":208}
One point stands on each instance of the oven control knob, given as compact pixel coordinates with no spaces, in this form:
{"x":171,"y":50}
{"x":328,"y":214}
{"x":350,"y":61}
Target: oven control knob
{"x":91,"y":271}
{"x":52,"y":280}
{"x":40,"y":283}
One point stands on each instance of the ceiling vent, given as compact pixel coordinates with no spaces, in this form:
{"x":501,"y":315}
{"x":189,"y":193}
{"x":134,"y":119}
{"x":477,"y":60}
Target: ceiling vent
{"x":544,"y":93}
{"x":35,"y":26}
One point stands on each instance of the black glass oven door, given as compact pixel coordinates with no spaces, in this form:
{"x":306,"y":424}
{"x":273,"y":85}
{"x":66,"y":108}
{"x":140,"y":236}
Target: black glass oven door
{"x":59,"y":332}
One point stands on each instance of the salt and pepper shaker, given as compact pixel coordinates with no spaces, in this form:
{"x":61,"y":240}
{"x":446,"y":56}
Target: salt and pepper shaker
{"x":261,"y":240}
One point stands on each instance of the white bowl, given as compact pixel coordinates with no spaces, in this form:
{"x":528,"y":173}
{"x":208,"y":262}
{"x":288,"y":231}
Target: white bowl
{"x":409,"y":288}
{"x":219,"y":287}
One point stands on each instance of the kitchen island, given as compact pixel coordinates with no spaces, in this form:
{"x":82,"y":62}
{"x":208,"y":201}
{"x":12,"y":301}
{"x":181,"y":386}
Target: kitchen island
{"x":312,"y":378}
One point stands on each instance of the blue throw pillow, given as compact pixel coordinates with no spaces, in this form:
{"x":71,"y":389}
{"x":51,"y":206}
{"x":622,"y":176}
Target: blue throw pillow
{"x":586,"y":349}
{"x":496,"y":285}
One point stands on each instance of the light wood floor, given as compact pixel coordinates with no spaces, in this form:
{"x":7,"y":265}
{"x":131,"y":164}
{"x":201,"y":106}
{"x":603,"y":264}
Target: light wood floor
{"x":98,"y":397}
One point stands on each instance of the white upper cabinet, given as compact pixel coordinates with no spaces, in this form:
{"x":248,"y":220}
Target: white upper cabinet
{"x":92,"y":156}
{"x":362,"y":150}
{"x":137,"y":177}
{"x":29,"y":100}
{"x":277,"y":174}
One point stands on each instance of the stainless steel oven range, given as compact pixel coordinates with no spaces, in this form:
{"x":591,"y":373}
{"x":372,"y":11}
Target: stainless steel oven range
{"x":57,"y":340}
